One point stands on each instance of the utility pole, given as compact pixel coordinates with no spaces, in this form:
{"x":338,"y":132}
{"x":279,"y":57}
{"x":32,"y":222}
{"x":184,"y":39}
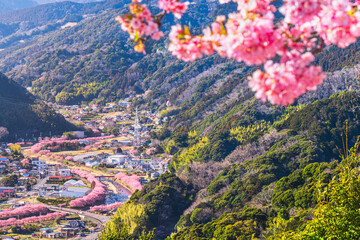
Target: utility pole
{"x":137,"y":128}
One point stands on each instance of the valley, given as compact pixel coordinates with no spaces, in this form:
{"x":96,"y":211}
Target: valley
{"x":101,"y":141}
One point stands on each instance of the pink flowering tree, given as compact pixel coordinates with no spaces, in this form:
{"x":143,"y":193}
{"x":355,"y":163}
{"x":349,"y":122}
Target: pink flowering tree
{"x":132,"y":181}
{"x":97,"y":194}
{"x":285,"y":47}
{"x":36,"y":148}
{"x":134,"y":152}
{"x":87,"y":148}
{"x":34,"y":219}
{"x":24,"y":211}
{"x":105,"y":208}
{"x":25,"y":162}
{"x":150,"y":151}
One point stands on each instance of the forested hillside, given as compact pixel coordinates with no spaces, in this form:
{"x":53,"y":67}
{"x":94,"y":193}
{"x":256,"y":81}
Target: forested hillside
{"x":257,"y":166}
{"x":23,"y":115}
{"x":51,"y":45}
{"x":241,"y":169}
{"x":91,"y":53}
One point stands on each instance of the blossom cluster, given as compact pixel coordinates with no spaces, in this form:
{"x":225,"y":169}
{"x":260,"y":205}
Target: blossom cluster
{"x":35,"y":219}
{"x":285,"y":46}
{"x":97,"y":194}
{"x":63,"y":140}
{"x":150,"y":151}
{"x":105,"y":208}
{"x":25,"y":161}
{"x":39,"y":147}
{"x":139,"y":23}
{"x":132,"y":181}
{"x":178,"y":8}
{"x":283,"y":82}
{"x":24,"y":211}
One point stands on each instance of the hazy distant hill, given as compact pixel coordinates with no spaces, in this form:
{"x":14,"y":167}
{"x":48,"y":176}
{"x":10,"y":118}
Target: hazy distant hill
{"x":91,"y":58}
{"x":78,"y":1}
{"x":22,"y":114}
{"x":10,"y":5}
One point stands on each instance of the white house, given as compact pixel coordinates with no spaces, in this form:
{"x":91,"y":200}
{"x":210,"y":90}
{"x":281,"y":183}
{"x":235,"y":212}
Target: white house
{"x":39,"y":164}
{"x":74,"y":192}
{"x":79,"y":134}
{"x":74,"y":183}
{"x":92,"y":162}
{"x":133,"y":163}
{"x":126,"y":142}
{"x":117,"y":159}
{"x":65,"y":172}
{"x":83,"y":157}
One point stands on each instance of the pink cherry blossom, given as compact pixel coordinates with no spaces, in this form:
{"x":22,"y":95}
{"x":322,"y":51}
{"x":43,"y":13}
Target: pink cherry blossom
{"x":253,"y":35}
{"x":105,"y":208}
{"x":97,"y":194}
{"x":25,"y":162}
{"x":133,"y":181}
{"x":139,"y":23}
{"x":300,"y":11}
{"x":283,"y":82}
{"x":176,"y":7}
{"x":24,"y":211}
{"x":34,"y":219}
{"x":336,"y":24}
{"x":150,"y":151}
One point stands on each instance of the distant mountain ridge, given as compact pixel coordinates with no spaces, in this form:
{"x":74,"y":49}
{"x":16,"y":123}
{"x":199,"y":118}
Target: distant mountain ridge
{"x":78,"y":1}
{"x":93,"y":54}
{"x":22,"y":114}
{"x":11,"y":5}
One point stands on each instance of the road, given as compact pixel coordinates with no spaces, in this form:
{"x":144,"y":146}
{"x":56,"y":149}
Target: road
{"x":40,"y":182}
{"x":95,"y":218}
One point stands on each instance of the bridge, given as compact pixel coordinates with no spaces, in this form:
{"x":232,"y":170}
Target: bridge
{"x":95,"y":218}
{"x":104,"y":176}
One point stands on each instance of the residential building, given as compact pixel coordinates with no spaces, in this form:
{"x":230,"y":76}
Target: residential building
{"x":7,"y":191}
{"x":50,"y":187}
{"x":76,"y":224}
{"x":117,"y":159}
{"x":79,"y":134}
{"x":65,"y":172}
{"x":92,"y":162}
{"x":39,"y":164}
{"x":67,"y":232}
{"x":4,"y":160}
{"x":74,"y":183}
{"x":74,"y":192}
{"x":82,"y":157}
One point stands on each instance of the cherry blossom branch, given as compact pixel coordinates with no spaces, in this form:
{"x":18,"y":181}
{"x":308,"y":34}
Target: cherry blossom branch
{"x":250,"y":35}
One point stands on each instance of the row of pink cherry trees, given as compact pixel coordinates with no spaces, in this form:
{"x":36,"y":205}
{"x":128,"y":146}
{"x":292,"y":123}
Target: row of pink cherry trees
{"x":105,"y":208}
{"x":24,"y":211}
{"x":97,"y":194}
{"x":34,"y":219}
{"x":132,"y":181}
{"x":38,"y":147}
